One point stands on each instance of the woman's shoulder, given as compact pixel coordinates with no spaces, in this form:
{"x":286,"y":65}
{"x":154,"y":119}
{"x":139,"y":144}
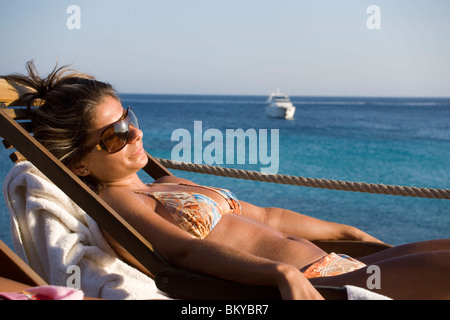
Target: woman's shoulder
{"x":127,"y":202}
{"x":116,"y":196}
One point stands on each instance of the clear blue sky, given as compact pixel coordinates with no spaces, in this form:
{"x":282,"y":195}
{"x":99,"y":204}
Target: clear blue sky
{"x":304,"y":47}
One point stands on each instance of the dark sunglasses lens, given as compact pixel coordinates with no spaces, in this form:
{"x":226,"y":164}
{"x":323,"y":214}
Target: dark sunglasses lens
{"x":115,"y":138}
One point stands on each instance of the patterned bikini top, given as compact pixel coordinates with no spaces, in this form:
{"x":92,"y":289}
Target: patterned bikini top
{"x":194,"y":212}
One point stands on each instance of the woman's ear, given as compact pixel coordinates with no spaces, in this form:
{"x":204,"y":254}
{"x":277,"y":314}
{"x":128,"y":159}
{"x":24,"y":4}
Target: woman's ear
{"x":79,"y":169}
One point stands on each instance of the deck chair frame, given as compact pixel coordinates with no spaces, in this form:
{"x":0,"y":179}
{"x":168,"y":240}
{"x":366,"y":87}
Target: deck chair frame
{"x":180,"y":283}
{"x":14,"y":268}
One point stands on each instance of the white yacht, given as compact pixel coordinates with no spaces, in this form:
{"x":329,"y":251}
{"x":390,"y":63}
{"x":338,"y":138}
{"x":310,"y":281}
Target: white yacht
{"x":279,"y":106}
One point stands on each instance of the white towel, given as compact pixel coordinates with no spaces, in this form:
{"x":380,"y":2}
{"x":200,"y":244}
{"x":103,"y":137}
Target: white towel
{"x":52,"y":234}
{"x":358,"y":293}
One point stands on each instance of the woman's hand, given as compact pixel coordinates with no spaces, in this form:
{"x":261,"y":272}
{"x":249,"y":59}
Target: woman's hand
{"x":294,"y":286}
{"x":352,"y":233}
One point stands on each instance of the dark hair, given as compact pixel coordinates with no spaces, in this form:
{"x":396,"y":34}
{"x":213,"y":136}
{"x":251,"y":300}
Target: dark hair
{"x":66,"y":101}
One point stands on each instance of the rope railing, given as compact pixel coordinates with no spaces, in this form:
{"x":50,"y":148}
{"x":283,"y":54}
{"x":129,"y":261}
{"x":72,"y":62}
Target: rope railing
{"x":308,"y":182}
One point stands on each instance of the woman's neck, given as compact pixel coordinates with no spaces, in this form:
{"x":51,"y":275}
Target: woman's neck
{"x":131,"y":182}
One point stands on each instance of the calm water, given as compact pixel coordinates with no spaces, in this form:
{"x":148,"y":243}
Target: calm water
{"x":378,"y":140}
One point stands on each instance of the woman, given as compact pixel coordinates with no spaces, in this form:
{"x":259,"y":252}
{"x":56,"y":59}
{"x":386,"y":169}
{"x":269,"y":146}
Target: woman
{"x":207,"y":230}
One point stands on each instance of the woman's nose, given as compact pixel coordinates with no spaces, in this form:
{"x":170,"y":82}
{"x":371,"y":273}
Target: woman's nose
{"x":135,"y":134}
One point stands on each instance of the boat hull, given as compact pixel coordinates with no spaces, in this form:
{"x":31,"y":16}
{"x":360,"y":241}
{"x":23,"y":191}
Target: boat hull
{"x":283,"y":112}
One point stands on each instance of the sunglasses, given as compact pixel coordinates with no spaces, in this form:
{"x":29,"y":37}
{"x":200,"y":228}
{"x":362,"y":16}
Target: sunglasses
{"x":115,"y":137}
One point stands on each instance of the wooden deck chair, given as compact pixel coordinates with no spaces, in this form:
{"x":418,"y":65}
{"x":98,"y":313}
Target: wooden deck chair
{"x":15,"y":127}
{"x":14,"y":268}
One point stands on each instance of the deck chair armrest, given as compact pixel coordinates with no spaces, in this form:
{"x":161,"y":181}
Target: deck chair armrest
{"x":14,"y":268}
{"x":189,"y":285}
{"x":352,"y":248}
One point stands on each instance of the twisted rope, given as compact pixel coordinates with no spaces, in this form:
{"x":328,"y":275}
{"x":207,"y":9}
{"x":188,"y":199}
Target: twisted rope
{"x":308,"y":182}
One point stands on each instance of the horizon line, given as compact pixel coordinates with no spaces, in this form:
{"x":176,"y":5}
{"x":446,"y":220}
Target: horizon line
{"x":303,"y":96}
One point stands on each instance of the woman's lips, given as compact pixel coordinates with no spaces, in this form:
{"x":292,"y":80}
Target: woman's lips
{"x":138,"y":151}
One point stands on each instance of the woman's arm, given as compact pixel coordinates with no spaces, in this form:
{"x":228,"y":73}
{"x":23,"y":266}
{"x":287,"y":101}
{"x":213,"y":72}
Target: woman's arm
{"x":210,"y":258}
{"x":293,"y":223}
{"x":205,"y":256}
{"x":299,"y":225}
{"x":315,"y":229}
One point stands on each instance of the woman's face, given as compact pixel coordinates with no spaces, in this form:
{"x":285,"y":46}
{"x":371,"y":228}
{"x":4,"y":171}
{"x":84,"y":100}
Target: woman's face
{"x":112,"y":168}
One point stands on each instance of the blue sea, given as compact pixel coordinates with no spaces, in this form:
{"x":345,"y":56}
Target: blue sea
{"x":397,"y":141}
